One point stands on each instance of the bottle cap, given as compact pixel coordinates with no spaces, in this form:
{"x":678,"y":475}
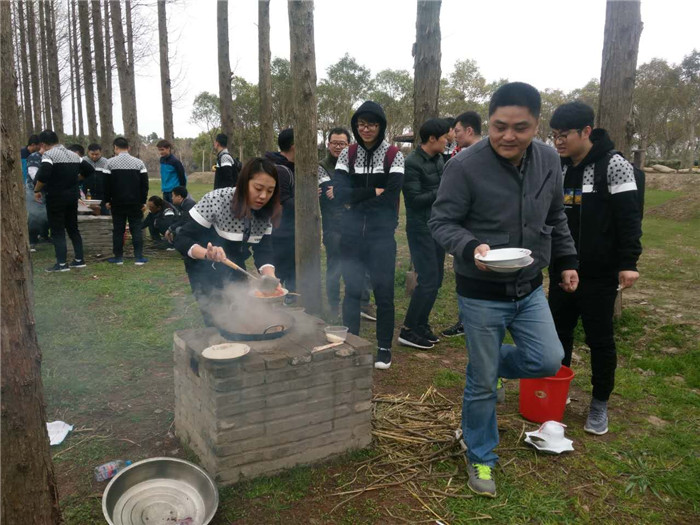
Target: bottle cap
{"x":127,"y":462}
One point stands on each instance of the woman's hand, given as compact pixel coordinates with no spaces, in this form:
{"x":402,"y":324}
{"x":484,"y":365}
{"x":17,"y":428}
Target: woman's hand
{"x":215,"y":253}
{"x":268,"y":270}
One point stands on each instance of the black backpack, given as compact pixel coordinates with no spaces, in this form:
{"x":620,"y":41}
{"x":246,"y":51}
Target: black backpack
{"x":600,"y":178}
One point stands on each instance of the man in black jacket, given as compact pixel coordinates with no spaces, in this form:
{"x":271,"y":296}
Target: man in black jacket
{"x":606,"y":223}
{"x":126,"y":191}
{"x":424,"y":168}
{"x":367,"y":182}
{"x":58,"y":177}
{"x":226,"y":174}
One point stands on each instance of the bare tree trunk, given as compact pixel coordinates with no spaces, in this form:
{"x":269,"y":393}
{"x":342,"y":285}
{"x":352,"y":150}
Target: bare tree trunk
{"x":84,"y":18}
{"x":224,"y":69}
{"x":33,"y":53}
{"x":29,"y":492}
{"x":105,"y":108}
{"x":308,"y":214}
{"x":76,"y":67}
{"x":45,"y":93}
{"x":23,"y":54}
{"x":169,"y":132}
{"x":267,"y":133}
{"x":54,"y":77}
{"x":426,"y":64}
{"x":127,"y":88}
{"x":129,"y":35}
{"x":71,"y":70}
{"x":623,"y":28}
{"x":16,"y":60}
{"x":108,"y":67}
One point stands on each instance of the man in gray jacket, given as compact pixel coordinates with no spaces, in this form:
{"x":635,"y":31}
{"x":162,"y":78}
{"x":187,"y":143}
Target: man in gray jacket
{"x":503,"y":192}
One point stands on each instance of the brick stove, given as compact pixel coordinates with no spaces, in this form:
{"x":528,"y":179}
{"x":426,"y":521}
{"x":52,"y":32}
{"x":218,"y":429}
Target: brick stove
{"x":279,"y":406}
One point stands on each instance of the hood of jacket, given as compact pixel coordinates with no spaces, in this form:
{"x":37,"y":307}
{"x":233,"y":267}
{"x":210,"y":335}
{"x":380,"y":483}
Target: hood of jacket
{"x":278,"y":158}
{"x":602,"y":143}
{"x":376,"y":110}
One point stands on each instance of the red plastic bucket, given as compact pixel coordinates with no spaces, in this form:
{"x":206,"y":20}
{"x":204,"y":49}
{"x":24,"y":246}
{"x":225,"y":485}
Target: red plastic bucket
{"x":544,"y":399}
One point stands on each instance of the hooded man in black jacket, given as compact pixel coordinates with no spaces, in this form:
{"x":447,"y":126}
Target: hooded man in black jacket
{"x":367,"y":182}
{"x":606,"y":224}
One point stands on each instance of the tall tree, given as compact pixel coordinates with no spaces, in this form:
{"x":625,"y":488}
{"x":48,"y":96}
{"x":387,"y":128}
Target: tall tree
{"x":169,"y":133}
{"x":108,"y":61}
{"x":308,"y":215}
{"x":23,"y":54}
{"x":45,"y":93}
{"x":76,"y":67}
{"x":29,"y":491}
{"x":623,"y":28}
{"x":267,"y":133}
{"x":129,"y":35}
{"x":71,"y":70}
{"x":426,"y":56}
{"x":85,"y":38}
{"x":127,"y":87}
{"x":690,"y":76}
{"x":33,"y":52}
{"x":105,"y":106}
{"x":54,"y":77}
{"x":225,"y":95}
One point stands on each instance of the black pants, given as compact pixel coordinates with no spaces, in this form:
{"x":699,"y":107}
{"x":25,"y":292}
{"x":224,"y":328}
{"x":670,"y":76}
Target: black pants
{"x":63,"y":217}
{"x":284,"y":259}
{"x":377,"y":256}
{"x":594,"y":303}
{"x":208,"y":284}
{"x":121,"y":214}
{"x":429,"y":261}
{"x":331,"y":240}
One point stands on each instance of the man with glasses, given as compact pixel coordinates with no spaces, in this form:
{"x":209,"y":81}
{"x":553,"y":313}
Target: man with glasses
{"x":367,"y":183}
{"x":605,"y":219}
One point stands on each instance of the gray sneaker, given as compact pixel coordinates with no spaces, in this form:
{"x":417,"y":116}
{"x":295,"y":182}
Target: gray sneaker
{"x":597,"y":422}
{"x":481,"y":480}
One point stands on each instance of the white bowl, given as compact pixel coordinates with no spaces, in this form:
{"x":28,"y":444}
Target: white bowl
{"x":336,"y":334}
{"x":504,"y":255}
{"x":510,"y":268}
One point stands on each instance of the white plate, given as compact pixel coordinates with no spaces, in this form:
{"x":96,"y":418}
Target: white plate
{"x":225,"y":351}
{"x":510,"y":268}
{"x":503,"y":255}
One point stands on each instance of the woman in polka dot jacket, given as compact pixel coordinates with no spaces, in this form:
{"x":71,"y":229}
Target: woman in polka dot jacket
{"x":226,"y":223}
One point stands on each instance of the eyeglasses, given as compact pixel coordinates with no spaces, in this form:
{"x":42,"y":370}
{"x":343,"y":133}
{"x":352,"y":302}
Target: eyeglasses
{"x":563,"y":136}
{"x":367,"y":125}
{"x":337,"y":144}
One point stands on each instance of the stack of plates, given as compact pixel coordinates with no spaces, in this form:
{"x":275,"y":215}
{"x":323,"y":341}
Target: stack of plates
{"x":506,"y":260}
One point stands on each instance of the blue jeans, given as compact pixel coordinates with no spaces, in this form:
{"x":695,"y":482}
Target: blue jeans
{"x":537,"y":353}
{"x":168,"y":196}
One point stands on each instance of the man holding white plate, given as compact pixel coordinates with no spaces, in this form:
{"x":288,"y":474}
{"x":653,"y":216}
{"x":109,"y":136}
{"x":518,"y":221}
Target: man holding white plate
{"x":504,"y":192}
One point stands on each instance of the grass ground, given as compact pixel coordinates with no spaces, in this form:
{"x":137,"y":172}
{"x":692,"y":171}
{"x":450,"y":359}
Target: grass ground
{"x":106,"y":336}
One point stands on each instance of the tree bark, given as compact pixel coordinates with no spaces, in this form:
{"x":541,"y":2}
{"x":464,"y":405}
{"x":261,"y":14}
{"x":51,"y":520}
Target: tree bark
{"x":267,"y":133}
{"x":76,"y":67}
{"x":623,"y":28}
{"x":16,"y":60}
{"x":108,"y":65}
{"x":105,"y":107}
{"x":427,"y":55}
{"x":71,"y":70}
{"x":54,"y":77}
{"x":169,"y":132}
{"x":34,"y":67}
{"x":23,"y":54}
{"x":224,"y":69}
{"x":84,"y":18}
{"x":308,"y":215}
{"x":129,"y":36}
{"x":45,"y":93}
{"x":127,"y":89}
{"x":29,"y":492}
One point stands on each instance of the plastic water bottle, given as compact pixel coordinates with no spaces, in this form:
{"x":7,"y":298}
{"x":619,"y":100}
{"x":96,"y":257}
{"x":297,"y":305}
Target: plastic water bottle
{"x":110,"y":469}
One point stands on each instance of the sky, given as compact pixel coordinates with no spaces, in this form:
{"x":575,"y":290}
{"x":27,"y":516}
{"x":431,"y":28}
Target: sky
{"x":548,"y":43}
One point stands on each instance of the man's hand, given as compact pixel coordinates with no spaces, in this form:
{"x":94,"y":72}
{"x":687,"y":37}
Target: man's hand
{"x":215,"y":253}
{"x":144,"y":208}
{"x":329,"y":192}
{"x":627,"y":278}
{"x":482,"y":250}
{"x":569,"y":281}
{"x":37,"y":196}
{"x":169,"y":236}
{"x":108,"y":205}
{"x":379,"y":191}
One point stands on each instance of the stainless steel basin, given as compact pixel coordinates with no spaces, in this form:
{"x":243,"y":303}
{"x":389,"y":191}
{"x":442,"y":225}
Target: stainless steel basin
{"x":160,"y":491}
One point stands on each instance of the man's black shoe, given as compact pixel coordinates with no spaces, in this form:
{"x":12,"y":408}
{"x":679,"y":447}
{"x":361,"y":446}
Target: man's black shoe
{"x":454,"y":330}
{"x":58,"y":268}
{"x":427,"y":333}
{"x":413,"y":339}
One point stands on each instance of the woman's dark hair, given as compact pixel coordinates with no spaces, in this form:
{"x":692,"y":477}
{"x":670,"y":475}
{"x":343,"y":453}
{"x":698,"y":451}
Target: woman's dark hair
{"x":160,"y":203}
{"x":273,"y":209}
{"x":572,"y":115}
{"x":516,"y":94}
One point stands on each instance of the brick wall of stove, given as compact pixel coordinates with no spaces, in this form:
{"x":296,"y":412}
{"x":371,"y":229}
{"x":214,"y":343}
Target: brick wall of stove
{"x":277,"y":407}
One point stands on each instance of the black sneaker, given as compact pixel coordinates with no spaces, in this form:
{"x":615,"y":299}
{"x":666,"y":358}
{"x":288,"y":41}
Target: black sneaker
{"x":411,"y":338}
{"x":454,"y":330}
{"x":427,"y":333}
{"x":58,"y":268}
{"x":383,"y":360}
{"x":77,"y":263}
